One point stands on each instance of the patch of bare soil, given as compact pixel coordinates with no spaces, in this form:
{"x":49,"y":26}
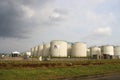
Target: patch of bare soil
{"x":114,"y":76}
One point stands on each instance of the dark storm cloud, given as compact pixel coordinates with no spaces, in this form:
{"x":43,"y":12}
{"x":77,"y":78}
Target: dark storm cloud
{"x":12,"y":17}
{"x":34,"y":3}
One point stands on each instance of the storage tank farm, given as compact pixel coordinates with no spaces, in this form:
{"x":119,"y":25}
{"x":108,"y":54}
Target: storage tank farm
{"x":46,"y":50}
{"x":62,"y":49}
{"x":107,"y":49}
{"x":117,"y":51}
{"x":95,"y":51}
{"x":40,"y":50}
{"x":79,"y":50}
{"x":58,"y":48}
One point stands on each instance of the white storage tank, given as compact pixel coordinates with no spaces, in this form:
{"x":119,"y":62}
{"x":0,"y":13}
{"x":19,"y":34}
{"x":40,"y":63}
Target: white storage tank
{"x":58,"y":48}
{"x":36,"y":51}
{"x":32,"y":51}
{"x":46,"y":50}
{"x":107,"y":49}
{"x":69,"y":49}
{"x":79,"y":50}
{"x":95,"y":50}
{"x":88,"y":52}
{"x":117,"y":50}
{"x":40,"y":50}
{"x":28,"y":53}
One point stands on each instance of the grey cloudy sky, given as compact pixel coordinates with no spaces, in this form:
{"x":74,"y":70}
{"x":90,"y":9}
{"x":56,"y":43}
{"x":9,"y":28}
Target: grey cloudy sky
{"x":27,"y":23}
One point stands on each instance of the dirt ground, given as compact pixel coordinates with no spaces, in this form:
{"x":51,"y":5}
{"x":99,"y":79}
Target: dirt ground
{"x":110,"y":77}
{"x":114,"y":76}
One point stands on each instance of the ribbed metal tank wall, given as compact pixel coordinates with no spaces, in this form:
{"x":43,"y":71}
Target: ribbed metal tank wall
{"x":46,"y":50}
{"x":40,"y":50}
{"x":95,"y":51}
{"x":79,"y":50}
{"x":117,"y":50}
{"x":69,"y":49}
{"x":107,"y":49}
{"x":58,"y":48}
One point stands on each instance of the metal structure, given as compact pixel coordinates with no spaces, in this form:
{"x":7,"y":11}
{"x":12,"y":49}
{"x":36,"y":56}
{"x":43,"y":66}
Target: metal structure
{"x":58,"y":48}
{"x":46,"y":50}
{"x":69,"y":49}
{"x":40,"y":50}
{"x":79,"y":50}
{"x":117,"y":50}
{"x":95,"y":51}
{"x":36,"y":51}
{"x":15,"y":54}
{"x":88,"y":52}
{"x":107,"y":49}
{"x":32,"y":51}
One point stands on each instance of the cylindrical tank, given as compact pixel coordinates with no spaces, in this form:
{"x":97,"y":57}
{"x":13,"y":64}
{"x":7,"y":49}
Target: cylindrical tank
{"x":95,"y":50}
{"x":79,"y":50}
{"x":32,"y":51}
{"x":46,"y":50}
{"x":69,"y":49}
{"x":58,"y":48}
{"x":36,"y":51}
{"x":88,"y":52}
{"x":107,"y":49}
{"x":28,"y":53}
{"x":117,"y":50}
{"x":40,"y":50}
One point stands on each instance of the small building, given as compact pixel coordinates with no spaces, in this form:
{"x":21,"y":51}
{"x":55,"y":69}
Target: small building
{"x":15,"y":54}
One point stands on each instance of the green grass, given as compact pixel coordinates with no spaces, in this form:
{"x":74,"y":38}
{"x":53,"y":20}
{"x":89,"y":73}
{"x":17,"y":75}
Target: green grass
{"x":59,"y":72}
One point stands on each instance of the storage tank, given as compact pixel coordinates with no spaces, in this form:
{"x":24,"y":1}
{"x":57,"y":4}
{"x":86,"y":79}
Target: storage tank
{"x":32,"y":51}
{"x":27,"y":55}
{"x":88,"y":52}
{"x":58,"y":48}
{"x":40,"y":50}
{"x":79,"y":50}
{"x":117,"y":50}
{"x":36,"y":51}
{"x":69,"y":49}
{"x":46,"y":50}
{"x":107,"y":49}
{"x":95,"y":50}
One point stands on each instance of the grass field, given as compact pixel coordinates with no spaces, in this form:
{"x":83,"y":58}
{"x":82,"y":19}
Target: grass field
{"x":28,"y":70}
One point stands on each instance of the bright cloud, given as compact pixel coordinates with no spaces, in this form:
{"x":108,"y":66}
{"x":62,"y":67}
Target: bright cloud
{"x":103,"y":31}
{"x":29,"y":12}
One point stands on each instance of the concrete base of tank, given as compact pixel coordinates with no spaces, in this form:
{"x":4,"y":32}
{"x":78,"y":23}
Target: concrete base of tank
{"x":96,"y":57}
{"x":107,"y":56}
{"x":113,"y":57}
{"x":117,"y":57}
